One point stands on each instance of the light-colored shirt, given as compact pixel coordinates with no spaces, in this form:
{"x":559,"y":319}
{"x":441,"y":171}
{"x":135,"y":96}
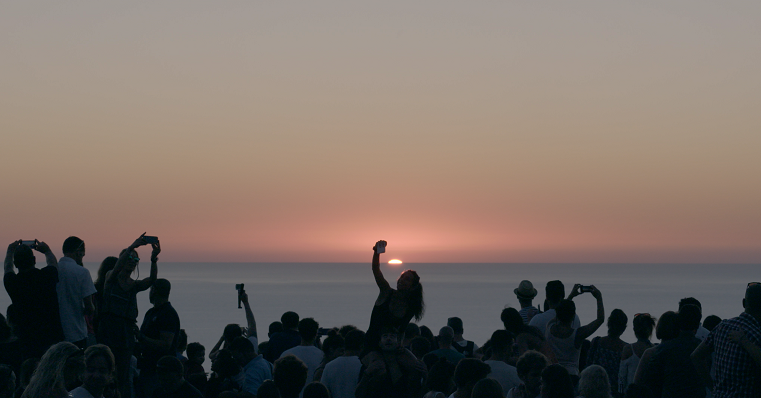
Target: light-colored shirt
{"x":541,"y":320}
{"x":310,"y":355}
{"x":341,"y":376}
{"x":81,"y":392}
{"x":74,"y":285}
{"x":257,"y":371}
{"x":505,"y":374}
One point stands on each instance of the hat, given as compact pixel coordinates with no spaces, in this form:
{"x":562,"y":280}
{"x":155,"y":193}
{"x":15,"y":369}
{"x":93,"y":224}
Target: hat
{"x":525,"y":290}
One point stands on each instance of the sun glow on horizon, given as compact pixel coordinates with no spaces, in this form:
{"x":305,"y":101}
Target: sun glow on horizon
{"x":395,"y":262}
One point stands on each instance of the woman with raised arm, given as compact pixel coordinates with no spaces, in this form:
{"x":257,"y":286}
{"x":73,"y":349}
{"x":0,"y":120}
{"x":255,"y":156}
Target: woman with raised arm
{"x":118,"y":320}
{"x":563,"y":338}
{"x":394,"y":307}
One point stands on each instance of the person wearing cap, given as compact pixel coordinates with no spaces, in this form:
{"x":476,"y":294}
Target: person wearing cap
{"x":171,"y":383}
{"x":526,"y":293}
{"x":459,"y":344}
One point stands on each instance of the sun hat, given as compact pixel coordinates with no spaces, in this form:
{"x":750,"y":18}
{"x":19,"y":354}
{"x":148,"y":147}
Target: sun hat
{"x":525,"y":290}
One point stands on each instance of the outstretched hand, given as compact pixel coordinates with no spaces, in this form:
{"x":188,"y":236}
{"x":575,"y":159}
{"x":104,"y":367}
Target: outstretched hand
{"x":139,"y":242}
{"x":13,"y":246}
{"x":42,"y":247}
{"x":596,"y":292}
{"x":379,"y":243}
{"x":576,"y":291}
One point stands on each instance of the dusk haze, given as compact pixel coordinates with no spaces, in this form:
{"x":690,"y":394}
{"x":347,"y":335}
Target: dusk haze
{"x":497,"y":131}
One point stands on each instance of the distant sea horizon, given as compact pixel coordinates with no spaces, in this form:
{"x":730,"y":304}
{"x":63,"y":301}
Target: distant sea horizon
{"x":339,"y":293}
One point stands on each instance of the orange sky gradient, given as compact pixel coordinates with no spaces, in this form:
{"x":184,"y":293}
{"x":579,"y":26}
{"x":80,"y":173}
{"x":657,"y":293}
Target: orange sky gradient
{"x":459,"y":132}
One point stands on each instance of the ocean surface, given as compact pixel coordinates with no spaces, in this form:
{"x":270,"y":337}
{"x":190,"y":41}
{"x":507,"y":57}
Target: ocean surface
{"x":337,"y":294}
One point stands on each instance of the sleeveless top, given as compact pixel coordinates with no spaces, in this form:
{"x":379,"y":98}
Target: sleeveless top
{"x":627,"y":370}
{"x":382,"y":317}
{"x":608,"y":359}
{"x":120,"y":303}
{"x":565,"y":349}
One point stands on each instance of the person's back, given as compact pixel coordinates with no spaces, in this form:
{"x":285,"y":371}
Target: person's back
{"x":341,"y":375}
{"x":306,"y":351}
{"x":75,"y":288}
{"x":284,"y":340}
{"x":35,"y":300}
{"x":555,"y":292}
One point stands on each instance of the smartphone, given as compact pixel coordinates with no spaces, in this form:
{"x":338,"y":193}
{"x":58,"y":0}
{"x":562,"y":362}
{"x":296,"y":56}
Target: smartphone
{"x":151,"y":240}
{"x":380,"y":247}
{"x":30,"y":243}
{"x":239,"y":288}
{"x":586,"y":289}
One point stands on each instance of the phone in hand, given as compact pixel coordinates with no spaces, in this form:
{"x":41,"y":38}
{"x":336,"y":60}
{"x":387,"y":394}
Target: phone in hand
{"x":586,"y":289}
{"x":239,"y":288}
{"x":151,"y":240}
{"x":30,"y":243}
{"x":380,"y":247}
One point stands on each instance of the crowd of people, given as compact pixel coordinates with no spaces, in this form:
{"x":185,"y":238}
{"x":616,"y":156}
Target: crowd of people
{"x":67,"y":336}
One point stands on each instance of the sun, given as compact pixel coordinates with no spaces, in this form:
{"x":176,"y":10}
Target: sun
{"x":395,"y":262}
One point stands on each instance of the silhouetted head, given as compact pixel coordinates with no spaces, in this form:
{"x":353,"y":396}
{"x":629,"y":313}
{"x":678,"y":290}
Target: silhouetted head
{"x":169,"y":372}
{"x":690,"y":300}
{"x":99,"y":367}
{"x":617,"y":322}
{"x":441,"y":377}
{"x":594,"y":382}
{"x":668,"y":326}
{"x":556,"y":382}
{"x":711,"y":321}
{"x":225,"y":363}
{"x":411,"y":331}
{"x":106,"y":265}
{"x":555,"y":292}
{"x":752,"y":300}
{"x":643,"y":325}
{"x":354,"y":341}
{"x":290,"y":375}
{"x":565,"y":311}
{"x":290,"y":320}
{"x":469,"y":371}
{"x":688,"y":317}
{"x":275,"y":327}
{"x":308,"y":329}
{"x":409,"y":284}
{"x":512,"y":320}
{"x":529,"y":367}
{"x":420,"y":346}
{"x":316,"y":389}
{"x":133,"y":260}
{"x":456,"y":324}
{"x":333,"y":345}
{"x":502,"y":341}
{"x":488,"y":388}
{"x":446,"y":334}
{"x":24,"y":258}
{"x":231,"y":331}
{"x":160,"y":291}
{"x":74,"y":248}
{"x":196,"y":353}
{"x":389,"y":340}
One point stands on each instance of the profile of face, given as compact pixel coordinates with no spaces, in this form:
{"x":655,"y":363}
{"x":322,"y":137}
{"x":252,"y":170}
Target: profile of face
{"x":389,"y":341}
{"x":406,"y":281}
{"x":97,"y":374}
{"x":80,"y":254}
{"x":198,"y":357}
{"x":132,"y":261}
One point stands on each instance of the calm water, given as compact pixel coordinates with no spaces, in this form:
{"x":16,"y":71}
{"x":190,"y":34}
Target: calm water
{"x":338,"y":294}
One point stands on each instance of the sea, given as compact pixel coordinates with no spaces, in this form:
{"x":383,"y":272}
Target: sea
{"x":337,"y":294}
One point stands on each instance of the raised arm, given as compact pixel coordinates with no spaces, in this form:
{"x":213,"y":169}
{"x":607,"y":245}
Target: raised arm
{"x":8,"y":265}
{"x":586,"y":331}
{"x":379,"y":279}
{"x":145,"y":284}
{"x":123,"y":258}
{"x":249,"y":315}
{"x":50,"y":259}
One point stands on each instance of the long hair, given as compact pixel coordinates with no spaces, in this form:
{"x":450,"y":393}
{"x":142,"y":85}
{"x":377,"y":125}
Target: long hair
{"x":106,"y":265}
{"x":49,"y":378}
{"x":415,"y":303}
{"x":594,"y":382}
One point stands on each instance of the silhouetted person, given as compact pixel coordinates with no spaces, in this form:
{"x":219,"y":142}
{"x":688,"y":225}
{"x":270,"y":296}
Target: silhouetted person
{"x":736,"y":373}
{"x":227,"y":374}
{"x":75,"y":290}
{"x":234,"y":330}
{"x":566,"y":340}
{"x":529,"y":366}
{"x":106,"y":265}
{"x":606,"y":351}
{"x":393,"y":307}
{"x":158,"y":336}
{"x":290,"y":376}
{"x":34,"y":297}
{"x":341,"y":375}
{"x":526,"y":337}
{"x":446,"y":334}
{"x":710,"y":322}
{"x":669,"y":372}
{"x":555,"y":292}
{"x":390,"y":372}
{"x":306,"y":351}
{"x":556,"y":382}
{"x":171,"y":383}
{"x":702,"y":332}
{"x":594,"y":382}
{"x":58,"y":372}
{"x":643,"y":325}
{"x":286,"y":339}
{"x":118,"y":310}
{"x":525,"y":293}
{"x":99,"y":366}
{"x":194,"y":371}
{"x":501,"y":352}
{"x":464,"y":347}
{"x":467,"y":373}
{"x":255,"y":367}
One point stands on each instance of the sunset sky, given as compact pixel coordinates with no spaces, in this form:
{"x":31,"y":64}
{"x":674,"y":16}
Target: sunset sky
{"x":487,"y":131}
